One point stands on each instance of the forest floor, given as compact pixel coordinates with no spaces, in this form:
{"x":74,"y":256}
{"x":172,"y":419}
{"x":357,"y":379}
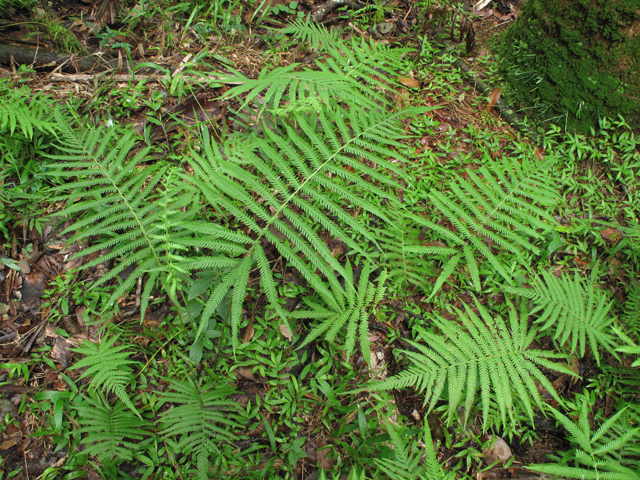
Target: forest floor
{"x":48,"y":309}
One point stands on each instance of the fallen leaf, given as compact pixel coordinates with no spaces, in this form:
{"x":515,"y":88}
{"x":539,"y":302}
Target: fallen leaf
{"x":498,"y":451}
{"x":248,"y":333}
{"x":436,"y":243}
{"x":610,"y":234}
{"x":244,"y":373}
{"x":539,"y":153}
{"x":409,"y":82}
{"x":60,"y":352}
{"x":493,"y":98}
{"x":324,"y":460}
{"x":32,"y":289}
{"x":284,"y":330}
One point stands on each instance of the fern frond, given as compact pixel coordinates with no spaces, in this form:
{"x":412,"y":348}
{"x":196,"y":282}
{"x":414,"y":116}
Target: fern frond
{"x":135,"y":210}
{"x":503,"y":204}
{"x":631,"y":317}
{"x":481,"y":352}
{"x":113,"y":432}
{"x":109,"y":366}
{"x":407,"y":465}
{"x":25,"y":112}
{"x":353,"y":311}
{"x":199,"y":419}
{"x":287,"y":189}
{"x":350,"y":73}
{"x":575,"y":309}
{"x":599,"y":454}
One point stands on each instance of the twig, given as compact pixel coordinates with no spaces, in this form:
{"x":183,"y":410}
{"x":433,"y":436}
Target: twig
{"x":153,"y":78}
{"x":7,"y":337}
{"x":331,"y":5}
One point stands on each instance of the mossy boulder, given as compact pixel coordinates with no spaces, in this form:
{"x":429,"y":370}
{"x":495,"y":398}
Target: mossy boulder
{"x":575,"y":60}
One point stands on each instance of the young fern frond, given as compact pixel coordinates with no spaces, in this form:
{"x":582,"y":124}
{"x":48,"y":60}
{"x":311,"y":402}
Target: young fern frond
{"x":631,"y":317}
{"x":109,"y":366}
{"x":631,"y":347}
{"x":482,"y":351}
{"x":502,"y":204}
{"x":135,"y":209}
{"x":25,"y":112}
{"x":358,"y":58}
{"x":349,"y":74}
{"x":354,"y":309}
{"x":290,"y":190}
{"x":199,"y":420}
{"x":596,"y":455}
{"x":407,"y":465}
{"x":113,"y":432}
{"x":575,"y":309}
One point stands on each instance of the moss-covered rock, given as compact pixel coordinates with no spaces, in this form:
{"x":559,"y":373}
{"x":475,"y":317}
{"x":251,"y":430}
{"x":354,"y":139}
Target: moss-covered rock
{"x":575,"y":60}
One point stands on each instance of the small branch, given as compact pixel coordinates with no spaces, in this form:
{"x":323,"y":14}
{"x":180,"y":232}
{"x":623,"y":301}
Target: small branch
{"x":153,"y":78}
{"x":40,"y":58}
{"x":331,"y":5}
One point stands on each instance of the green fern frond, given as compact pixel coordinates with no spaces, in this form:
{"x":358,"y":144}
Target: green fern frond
{"x":407,"y":465}
{"x":599,"y":454}
{"x":136,"y":210}
{"x":26,"y":112}
{"x":502,"y":204}
{"x":575,"y":309}
{"x":199,"y":419}
{"x":631,"y":347}
{"x":349,"y":73}
{"x":113,"y":432}
{"x":479,"y":352}
{"x":289,"y":187}
{"x":353,"y":311}
{"x":311,"y":32}
{"x":109,"y":366}
{"x":631,"y":317}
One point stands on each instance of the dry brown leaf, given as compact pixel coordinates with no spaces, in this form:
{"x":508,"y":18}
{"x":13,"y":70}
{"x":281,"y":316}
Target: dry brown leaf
{"x":284,"y":330}
{"x":409,"y":82}
{"x":248,"y":333}
{"x":610,"y":234}
{"x":493,"y":98}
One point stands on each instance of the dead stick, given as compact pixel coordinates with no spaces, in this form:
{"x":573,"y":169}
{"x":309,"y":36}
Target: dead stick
{"x":81,"y":77}
{"x":326,"y":8}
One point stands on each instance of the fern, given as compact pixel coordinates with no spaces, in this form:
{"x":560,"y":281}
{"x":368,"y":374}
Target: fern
{"x":199,"y":419}
{"x":409,"y":466}
{"x":113,"y":432}
{"x":596,"y":455}
{"x":25,"y":112}
{"x":109,"y":367}
{"x":290,"y":187}
{"x":135,"y":208}
{"x":575,"y":308}
{"x":631,"y":347}
{"x":353,"y":312}
{"x":631,"y":317}
{"x":504,"y":204}
{"x":481,"y":351}
{"x":348,"y":74}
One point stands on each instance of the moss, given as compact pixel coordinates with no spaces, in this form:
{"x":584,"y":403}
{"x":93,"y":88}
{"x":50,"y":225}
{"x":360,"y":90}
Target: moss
{"x":575,"y":60}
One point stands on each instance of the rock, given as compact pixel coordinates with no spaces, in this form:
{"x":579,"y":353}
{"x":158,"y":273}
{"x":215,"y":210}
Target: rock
{"x":498,"y":451}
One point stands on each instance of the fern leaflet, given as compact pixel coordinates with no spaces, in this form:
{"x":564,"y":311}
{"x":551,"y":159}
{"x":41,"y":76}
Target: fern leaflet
{"x":109,"y":367}
{"x":575,"y":308}
{"x":113,"y":432}
{"x":199,"y":420}
{"x":482,"y":351}
{"x":503,"y":205}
